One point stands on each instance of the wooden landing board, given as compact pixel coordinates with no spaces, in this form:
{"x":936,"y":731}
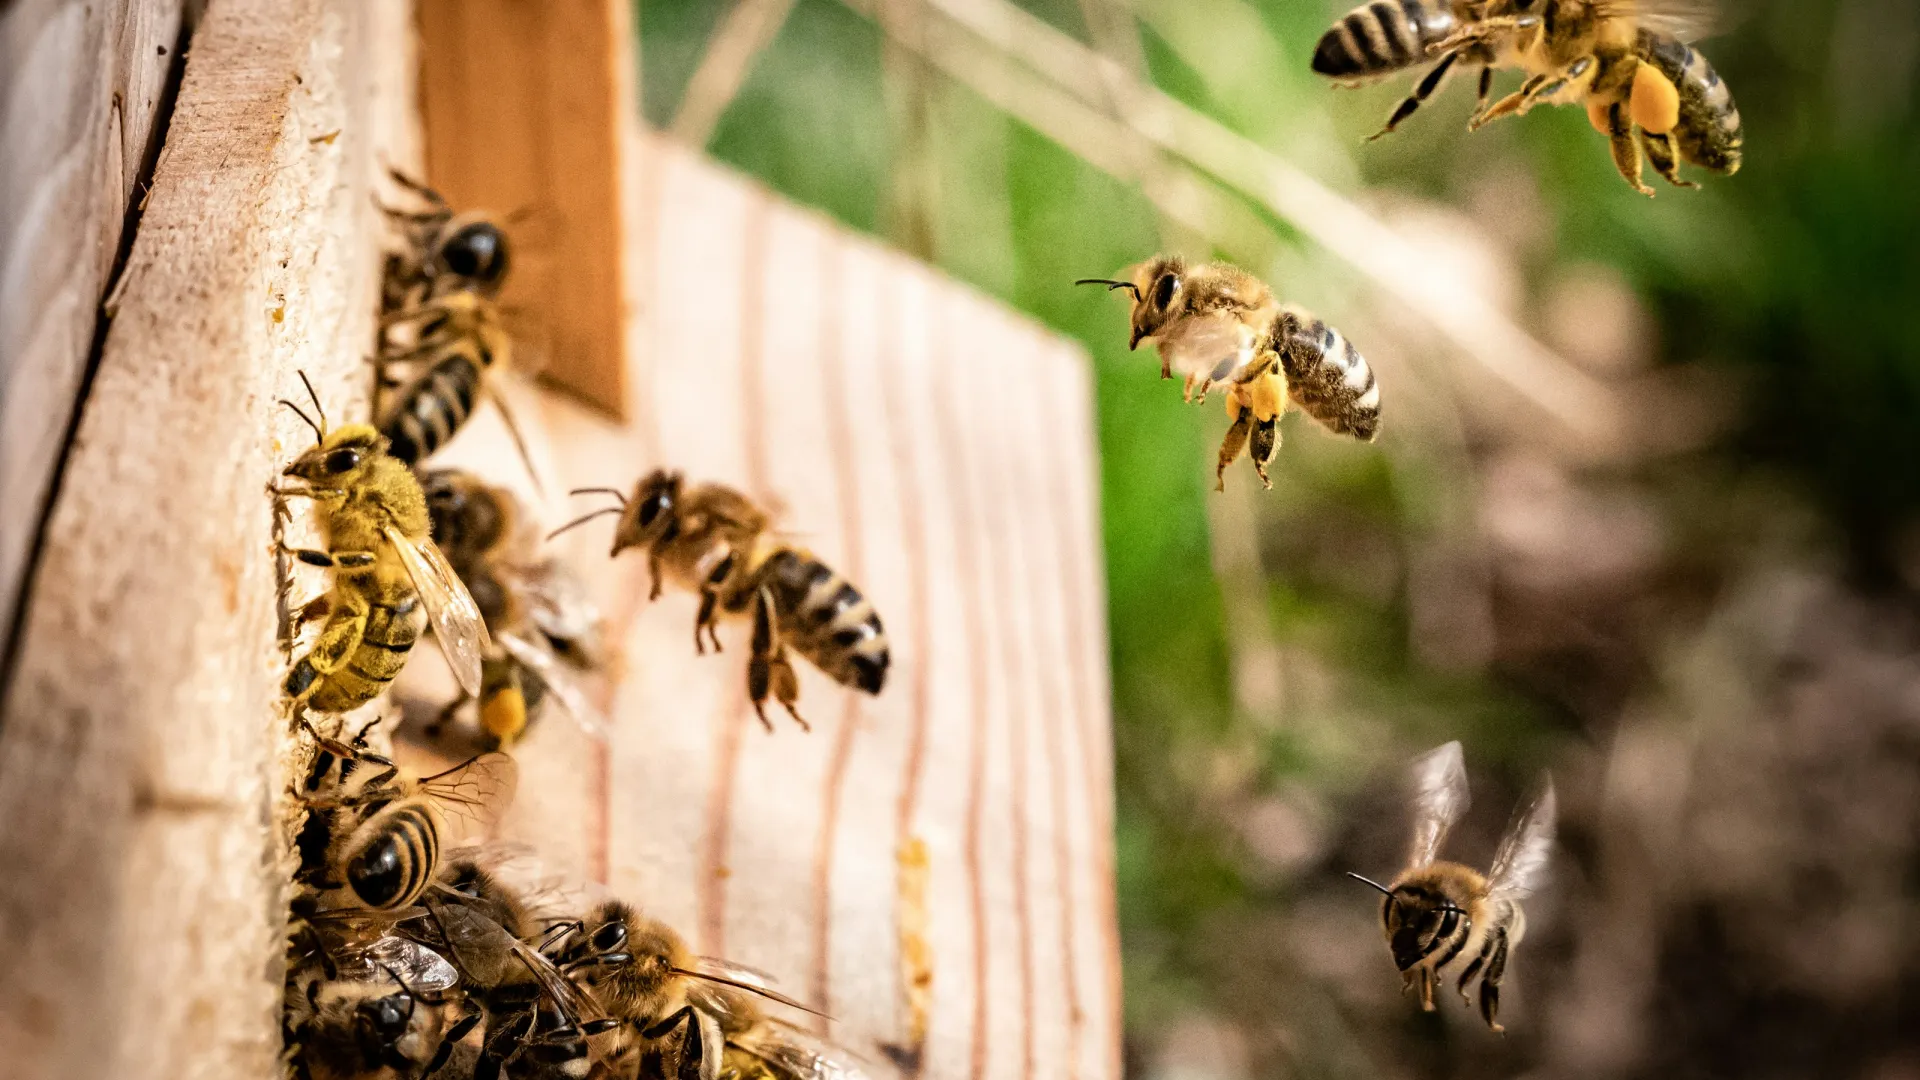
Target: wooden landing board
{"x":144,"y":885}
{"x":81,"y":87}
{"x":939,"y":451}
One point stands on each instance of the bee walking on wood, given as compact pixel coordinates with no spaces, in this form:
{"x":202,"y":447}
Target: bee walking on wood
{"x":1216,"y":324}
{"x":545,"y":634}
{"x":713,"y":541}
{"x":1439,"y":913}
{"x":376,"y":833}
{"x":385,"y":567}
{"x":1626,"y":61}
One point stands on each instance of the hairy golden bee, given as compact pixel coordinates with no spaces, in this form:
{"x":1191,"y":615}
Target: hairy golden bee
{"x":1438,"y":913}
{"x":1626,"y":61}
{"x":385,"y":566}
{"x":545,"y":633}
{"x":375,"y":833}
{"x":715,"y":542}
{"x":1216,"y":324}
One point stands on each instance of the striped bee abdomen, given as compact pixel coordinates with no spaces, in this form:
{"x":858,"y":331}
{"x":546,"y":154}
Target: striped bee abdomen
{"x":826,"y":620}
{"x":388,"y":638}
{"x":1708,"y":134}
{"x":432,"y":407}
{"x":398,"y":849}
{"x":1382,"y":37}
{"x":1326,"y":376}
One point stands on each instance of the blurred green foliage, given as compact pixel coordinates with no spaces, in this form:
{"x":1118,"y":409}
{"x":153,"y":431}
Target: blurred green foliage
{"x":1797,"y":275}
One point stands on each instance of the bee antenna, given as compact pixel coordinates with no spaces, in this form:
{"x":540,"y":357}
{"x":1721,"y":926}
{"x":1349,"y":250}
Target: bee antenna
{"x":1111,"y":284}
{"x":615,"y":492}
{"x":583,"y":519}
{"x":1370,"y":881}
{"x":319,"y":436}
{"x":318,"y":408}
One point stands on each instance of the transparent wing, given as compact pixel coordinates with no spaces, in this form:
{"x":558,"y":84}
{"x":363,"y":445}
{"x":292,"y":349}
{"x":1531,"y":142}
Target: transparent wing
{"x":1439,"y":801}
{"x":559,"y":609}
{"x":456,"y":620}
{"x":798,"y":1054}
{"x":1688,"y":20}
{"x":562,"y":683}
{"x":1520,"y":864}
{"x":725,"y":973}
{"x":422,"y":969}
{"x":477,"y":790}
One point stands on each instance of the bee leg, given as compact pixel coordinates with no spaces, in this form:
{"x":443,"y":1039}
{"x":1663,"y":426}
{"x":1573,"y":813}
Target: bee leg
{"x":1411,"y":104}
{"x":1266,"y":440}
{"x":1473,"y":968}
{"x":769,"y":672}
{"x":1626,"y":152}
{"x":653,"y":573}
{"x":704,"y":621}
{"x":1486,"y":90}
{"x":341,"y":636}
{"x":1427,"y":981}
{"x":1235,"y":441}
{"x":453,"y":1035}
{"x":316,"y":608}
{"x":1490,"y":983}
{"x":1659,"y":151}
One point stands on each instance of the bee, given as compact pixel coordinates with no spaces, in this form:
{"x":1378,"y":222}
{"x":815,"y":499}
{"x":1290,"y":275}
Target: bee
{"x":457,"y":348}
{"x":760,"y":1047}
{"x":712,"y":540}
{"x":1379,"y":39}
{"x":1653,"y":97}
{"x":674,"y":1009}
{"x":352,"y":1028}
{"x":1215,"y":323}
{"x":442,"y":251}
{"x":385,"y":567}
{"x":545,"y":634}
{"x":1436,"y":913}
{"x":375,"y":832}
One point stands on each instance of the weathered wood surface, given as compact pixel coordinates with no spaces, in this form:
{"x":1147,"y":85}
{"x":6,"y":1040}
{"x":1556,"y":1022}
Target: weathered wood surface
{"x":142,"y":900}
{"x":526,"y":109}
{"x":938,"y":450}
{"x":81,"y":86}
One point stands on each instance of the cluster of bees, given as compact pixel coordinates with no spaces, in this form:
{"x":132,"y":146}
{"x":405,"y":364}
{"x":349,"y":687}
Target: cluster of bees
{"x":409,"y":958}
{"x":407,"y":964}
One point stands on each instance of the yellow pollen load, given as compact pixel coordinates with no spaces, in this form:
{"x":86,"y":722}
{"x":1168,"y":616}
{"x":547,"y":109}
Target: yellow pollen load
{"x":504,"y":715}
{"x":1655,"y":104}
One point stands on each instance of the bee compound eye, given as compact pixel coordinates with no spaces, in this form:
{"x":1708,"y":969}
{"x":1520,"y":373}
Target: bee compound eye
{"x":653,"y":507}
{"x":1164,"y":289}
{"x":343,"y":460}
{"x":390,"y":1015}
{"x":609,"y":937}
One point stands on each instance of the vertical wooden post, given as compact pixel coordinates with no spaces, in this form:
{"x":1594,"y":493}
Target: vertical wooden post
{"x":527,"y":111}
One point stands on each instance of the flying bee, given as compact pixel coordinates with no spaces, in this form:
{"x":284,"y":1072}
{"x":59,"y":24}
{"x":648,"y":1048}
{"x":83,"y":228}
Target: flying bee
{"x":385,"y":567}
{"x":441,"y":251}
{"x":675,"y":1009}
{"x":376,"y":833}
{"x":713,"y":541}
{"x":1625,"y":61}
{"x":1215,"y":323}
{"x":545,"y":633}
{"x":1377,"y":40}
{"x":1436,"y":912}
{"x":350,"y":1028}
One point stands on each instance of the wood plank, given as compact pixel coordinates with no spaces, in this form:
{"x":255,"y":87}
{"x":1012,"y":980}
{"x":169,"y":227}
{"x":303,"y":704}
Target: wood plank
{"x":142,"y":912}
{"x":527,"y":109}
{"x":82,"y":86}
{"x":869,"y":398}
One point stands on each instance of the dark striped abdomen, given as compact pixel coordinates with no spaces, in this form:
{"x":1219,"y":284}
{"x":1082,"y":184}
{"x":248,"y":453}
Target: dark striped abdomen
{"x":432,"y":407}
{"x":389,"y":636}
{"x":1326,"y":376}
{"x":1708,"y":134}
{"x":1382,"y":37}
{"x":826,"y":620}
{"x":394,"y":855}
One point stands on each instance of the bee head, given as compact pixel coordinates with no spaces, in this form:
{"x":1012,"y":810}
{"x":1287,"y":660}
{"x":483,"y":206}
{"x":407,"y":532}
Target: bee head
{"x":476,"y":254}
{"x":1417,"y":920}
{"x":651,"y":513}
{"x":340,"y":458}
{"x":1157,"y":286}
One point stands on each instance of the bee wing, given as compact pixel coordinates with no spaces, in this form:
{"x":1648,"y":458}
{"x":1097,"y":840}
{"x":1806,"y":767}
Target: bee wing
{"x":420,"y":968}
{"x":1521,"y":861}
{"x":477,"y":789}
{"x":456,"y":620}
{"x":741,"y":977}
{"x":561,"y":682}
{"x":1439,"y":801}
{"x":798,"y":1054}
{"x":1688,"y":20}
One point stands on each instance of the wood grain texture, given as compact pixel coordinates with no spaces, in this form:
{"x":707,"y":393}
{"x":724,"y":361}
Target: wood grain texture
{"x":81,"y":88}
{"x":526,"y":108}
{"x":939,"y":450}
{"x":142,"y":906}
